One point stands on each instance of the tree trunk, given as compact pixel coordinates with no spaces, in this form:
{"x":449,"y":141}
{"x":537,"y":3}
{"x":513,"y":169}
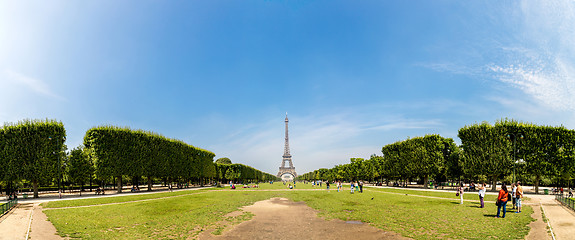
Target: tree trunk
{"x":149,"y":183}
{"x":494,"y":184}
{"x":537,"y":184}
{"x":119,"y":181}
{"x":425,"y":179}
{"x":35,"y":185}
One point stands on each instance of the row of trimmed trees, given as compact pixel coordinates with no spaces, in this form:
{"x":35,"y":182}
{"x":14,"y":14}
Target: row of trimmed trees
{"x":505,"y":151}
{"x":118,"y":152}
{"x":241,"y":173}
{"x":420,"y":157}
{"x":34,"y":151}
{"x":31,"y":150}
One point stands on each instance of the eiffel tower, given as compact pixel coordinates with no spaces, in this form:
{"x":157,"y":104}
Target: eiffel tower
{"x":287,"y":173}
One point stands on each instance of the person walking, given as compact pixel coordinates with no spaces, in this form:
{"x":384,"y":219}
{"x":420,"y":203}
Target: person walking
{"x":502,"y":200}
{"x":338,"y":186}
{"x":352,"y":187}
{"x":460,"y":192}
{"x":481,"y":194}
{"x":519,"y":196}
{"x":360,"y":183}
{"x":327,"y":184}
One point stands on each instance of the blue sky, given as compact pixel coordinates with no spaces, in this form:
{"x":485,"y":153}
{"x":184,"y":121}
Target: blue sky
{"x":352,"y":75}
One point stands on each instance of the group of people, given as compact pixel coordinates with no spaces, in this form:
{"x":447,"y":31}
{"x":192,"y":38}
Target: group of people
{"x":560,"y":190}
{"x":480,"y":187}
{"x":516,"y":196}
{"x":355,"y":186}
{"x":135,"y":188}
{"x":99,"y":191}
{"x":504,"y":196}
{"x":13,"y":195}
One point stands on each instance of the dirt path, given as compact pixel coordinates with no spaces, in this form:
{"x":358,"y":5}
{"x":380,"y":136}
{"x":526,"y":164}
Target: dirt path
{"x":280,"y":218}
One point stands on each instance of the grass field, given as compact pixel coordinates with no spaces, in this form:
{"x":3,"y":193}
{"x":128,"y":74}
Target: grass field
{"x":181,"y":214}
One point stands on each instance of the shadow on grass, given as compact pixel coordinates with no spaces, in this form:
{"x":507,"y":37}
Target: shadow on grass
{"x":474,"y":206}
{"x":490,"y":215}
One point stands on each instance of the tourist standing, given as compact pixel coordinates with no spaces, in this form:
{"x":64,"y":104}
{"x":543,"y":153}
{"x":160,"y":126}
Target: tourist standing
{"x":460,"y":192}
{"x":338,"y":186}
{"x":519,"y":196}
{"x":360,"y":183}
{"x":481,"y":193}
{"x":352,"y":187}
{"x":327,"y":184}
{"x":502,"y":200}
{"x":514,"y":194}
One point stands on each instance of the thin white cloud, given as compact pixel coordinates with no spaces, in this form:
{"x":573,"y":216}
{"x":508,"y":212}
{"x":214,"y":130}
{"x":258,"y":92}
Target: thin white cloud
{"x":407,"y":124}
{"x":451,"y":67}
{"x":542,"y":66}
{"x":319,"y":141}
{"x":551,"y":85}
{"x":33,"y":84}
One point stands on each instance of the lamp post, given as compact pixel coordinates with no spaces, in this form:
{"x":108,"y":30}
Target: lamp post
{"x":59,"y":160}
{"x":513,"y":136}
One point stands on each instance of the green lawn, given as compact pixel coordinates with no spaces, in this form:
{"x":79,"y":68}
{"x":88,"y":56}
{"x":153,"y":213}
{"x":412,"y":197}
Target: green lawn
{"x":433,"y":193}
{"x":279,"y":185}
{"x":187,"y":213}
{"x":116,"y":199}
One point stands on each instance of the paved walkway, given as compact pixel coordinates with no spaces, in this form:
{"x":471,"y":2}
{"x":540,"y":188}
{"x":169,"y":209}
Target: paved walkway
{"x":561,"y":219}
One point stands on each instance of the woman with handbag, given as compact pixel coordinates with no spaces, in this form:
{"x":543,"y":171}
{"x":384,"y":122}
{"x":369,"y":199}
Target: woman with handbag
{"x":460,"y":192}
{"x":502,"y":200}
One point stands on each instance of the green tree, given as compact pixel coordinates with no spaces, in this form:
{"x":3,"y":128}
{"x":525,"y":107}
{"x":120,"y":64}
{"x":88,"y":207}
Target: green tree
{"x":32,"y":150}
{"x":232,"y":174}
{"x":122,"y":152}
{"x":79,"y":168}
{"x":223,"y":160}
{"x":486,"y":150}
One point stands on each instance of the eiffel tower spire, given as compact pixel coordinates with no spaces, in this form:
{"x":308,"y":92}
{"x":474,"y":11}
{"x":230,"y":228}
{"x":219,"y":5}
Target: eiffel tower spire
{"x":287,"y":158}
{"x":286,"y":145}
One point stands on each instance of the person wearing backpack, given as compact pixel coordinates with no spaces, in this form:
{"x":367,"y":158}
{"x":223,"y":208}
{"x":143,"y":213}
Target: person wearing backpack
{"x":502,"y":200}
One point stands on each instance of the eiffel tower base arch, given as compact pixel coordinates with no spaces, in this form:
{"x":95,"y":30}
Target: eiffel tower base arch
{"x":287,"y":174}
